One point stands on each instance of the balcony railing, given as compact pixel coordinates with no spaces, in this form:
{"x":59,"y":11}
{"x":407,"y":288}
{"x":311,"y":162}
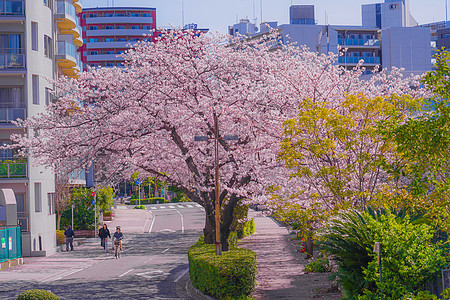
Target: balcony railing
{"x":63,"y":7}
{"x":359,"y":42}
{"x":11,"y":114}
{"x":356,"y":59}
{"x":66,"y":48}
{"x":12,"y":58}
{"x":22,"y":218}
{"x":12,"y":8}
{"x":14,"y":168}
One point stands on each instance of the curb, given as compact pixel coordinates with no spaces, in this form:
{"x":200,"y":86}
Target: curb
{"x":196,"y":294}
{"x":11,"y":263}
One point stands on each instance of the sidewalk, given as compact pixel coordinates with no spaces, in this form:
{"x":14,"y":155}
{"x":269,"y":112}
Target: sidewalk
{"x":280,"y":265}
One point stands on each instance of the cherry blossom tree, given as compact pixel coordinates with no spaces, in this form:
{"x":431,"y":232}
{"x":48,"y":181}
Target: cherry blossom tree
{"x":143,"y":117}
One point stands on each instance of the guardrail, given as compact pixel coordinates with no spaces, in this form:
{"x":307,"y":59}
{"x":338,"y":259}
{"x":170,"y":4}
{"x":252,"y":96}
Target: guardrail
{"x":12,"y":8}
{"x":12,"y":58}
{"x":14,"y":169}
{"x":10,"y":243}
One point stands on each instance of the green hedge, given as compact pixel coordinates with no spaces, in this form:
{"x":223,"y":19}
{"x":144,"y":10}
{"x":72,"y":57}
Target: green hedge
{"x":148,"y":201}
{"x":37,"y":295}
{"x":230,"y":275}
{"x":247,"y":230}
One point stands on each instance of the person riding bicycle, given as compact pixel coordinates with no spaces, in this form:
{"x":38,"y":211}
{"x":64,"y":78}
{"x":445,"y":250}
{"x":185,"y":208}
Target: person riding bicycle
{"x":117,"y":237}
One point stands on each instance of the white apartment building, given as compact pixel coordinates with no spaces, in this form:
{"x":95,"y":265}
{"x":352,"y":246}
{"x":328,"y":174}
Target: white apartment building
{"x":38,"y":41}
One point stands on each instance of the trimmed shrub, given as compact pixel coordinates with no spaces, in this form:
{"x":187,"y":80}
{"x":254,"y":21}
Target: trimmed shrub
{"x":230,"y":275}
{"x":37,"y":295}
{"x":148,"y":201}
{"x":139,"y":207}
{"x":60,"y":237}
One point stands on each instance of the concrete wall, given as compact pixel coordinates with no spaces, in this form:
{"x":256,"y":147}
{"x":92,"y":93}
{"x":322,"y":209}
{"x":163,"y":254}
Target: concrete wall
{"x":407,"y":47}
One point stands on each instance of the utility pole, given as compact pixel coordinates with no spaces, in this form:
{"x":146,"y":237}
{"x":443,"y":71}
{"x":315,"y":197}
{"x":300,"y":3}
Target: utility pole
{"x":216,"y":163}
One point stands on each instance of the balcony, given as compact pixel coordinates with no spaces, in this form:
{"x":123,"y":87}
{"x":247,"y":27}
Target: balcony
{"x":104,"y":57}
{"x":78,"y":7}
{"x":12,"y":58}
{"x":117,"y":32}
{"x":66,"y":15}
{"x":11,"y":114}
{"x":120,"y":20}
{"x":14,"y":168}
{"x":109,"y":45}
{"x":12,"y":8}
{"x":359,"y":43}
{"x":353,"y":60}
{"x":68,"y":59}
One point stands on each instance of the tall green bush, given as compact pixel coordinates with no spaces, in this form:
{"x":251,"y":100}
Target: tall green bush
{"x":408,"y":257}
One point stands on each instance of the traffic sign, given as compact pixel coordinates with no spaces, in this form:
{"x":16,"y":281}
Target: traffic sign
{"x":138,"y":181}
{"x":93,"y":201}
{"x":93,"y":194}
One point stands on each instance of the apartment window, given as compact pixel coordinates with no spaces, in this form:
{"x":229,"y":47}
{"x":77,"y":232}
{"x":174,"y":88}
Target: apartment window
{"x":84,"y":16}
{"x":119,"y":64}
{"x":109,"y":39}
{"x":135,"y":15}
{"x":120,"y":52}
{"x":134,"y":39}
{"x":20,"y":200}
{"x":93,"y":27}
{"x":147,"y":27}
{"x":93,"y":40}
{"x":48,"y":47}
{"x":109,"y":15}
{"x":93,"y":15}
{"x":95,"y":65}
{"x":48,"y":96}
{"x":120,"y":15}
{"x":109,"y":52}
{"x":109,"y":27}
{"x":94,"y":53}
{"x":110,"y":64}
{"x":135,"y":27}
{"x":121,"y":40}
{"x":37,"y":197}
{"x":47,"y":3}
{"x":35,"y":88}
{"x":34,"y":36}
{"x":120,"y":27}
{"x":51,"y":203}
{"x":146,"y":15}
{"x":84,"y":41}
{"x":445,"y":36}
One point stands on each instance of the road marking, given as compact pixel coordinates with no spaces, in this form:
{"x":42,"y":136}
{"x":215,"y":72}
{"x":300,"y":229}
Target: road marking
{"x":181,"y":275}
{"x":148,"y":260}
{"x":198,"y":205}
{"x":180,"y":206}
{"x":153,"y":207}
{"x":153,"y":274}
{"x":171,"y":206}
{"x":189,"y":205}
{"x":165,"y":250}
{"x":182,"y":221}
{"x":167,"y":230}
{"x":145,"y":225}
{"x":62,"y":276}
{"x":162,"y":207}
{"x":126,"y":272}
{"x":203,"y":209}
{"x":153,"y":222}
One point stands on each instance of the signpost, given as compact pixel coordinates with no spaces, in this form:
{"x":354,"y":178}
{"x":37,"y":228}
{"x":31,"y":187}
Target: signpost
{"x":94,"y":202}
{"x":138,"y":183}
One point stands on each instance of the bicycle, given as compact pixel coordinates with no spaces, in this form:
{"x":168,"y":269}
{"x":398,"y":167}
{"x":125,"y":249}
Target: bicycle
{"x":117,"y":247}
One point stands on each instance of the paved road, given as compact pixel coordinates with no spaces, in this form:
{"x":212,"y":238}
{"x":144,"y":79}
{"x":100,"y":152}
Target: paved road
{"x":154,"y":264}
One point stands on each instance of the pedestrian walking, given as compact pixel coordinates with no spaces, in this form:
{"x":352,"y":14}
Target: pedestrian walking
{"x":103,"y":234}
{"x":117,"y":237}
{"x":69,"y":238}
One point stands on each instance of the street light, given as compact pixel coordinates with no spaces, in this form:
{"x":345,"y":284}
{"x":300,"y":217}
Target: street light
{"x":216,"y":156}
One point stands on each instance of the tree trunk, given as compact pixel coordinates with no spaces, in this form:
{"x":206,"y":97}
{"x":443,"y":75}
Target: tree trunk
{"x":58,"y":222}
{"x":309,"y":248}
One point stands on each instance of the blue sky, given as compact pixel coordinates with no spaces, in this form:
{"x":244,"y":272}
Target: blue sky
{"x":218,"y":14}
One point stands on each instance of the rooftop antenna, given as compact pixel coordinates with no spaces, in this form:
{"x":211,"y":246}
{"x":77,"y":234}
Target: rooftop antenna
{"x":182,"y":13}
{"x":254,"y":13}
{"x":260,"y":6}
